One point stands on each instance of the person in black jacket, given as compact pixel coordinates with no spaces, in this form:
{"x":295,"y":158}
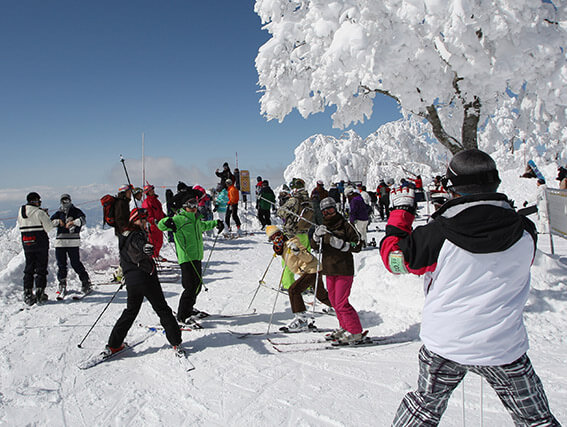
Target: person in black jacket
{"x":69,"y":219}
{"x":141,"y":280}
{"x":225,"y":174}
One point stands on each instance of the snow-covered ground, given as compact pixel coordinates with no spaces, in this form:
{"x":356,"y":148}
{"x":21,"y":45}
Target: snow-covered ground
{"x":243,"y":381}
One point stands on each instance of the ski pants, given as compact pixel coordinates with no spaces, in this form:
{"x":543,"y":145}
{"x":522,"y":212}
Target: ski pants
{"x":61,"y":255}
{"x":304,"y":282}
{"x":339,"y":290}
{"x":361,"y":227}
{"x":139,"y":285}
{"x":155,"y":237}
{"x":384,"y":208}
{"x":264,"y":217}
{"x":191,"y":280}
{"x":232,"y":210}
{"x":36,"y":267}
{"x":516,"y":384}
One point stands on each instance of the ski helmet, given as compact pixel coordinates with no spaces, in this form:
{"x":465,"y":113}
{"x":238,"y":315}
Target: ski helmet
{"x":138,"y":213}
{"x":471,"y":172}
{"x":328,"y":202}
{"x":33,"y":197}
{"x":228,"y":182}
{"x":349,"y":190}
{"x":124,"y":188}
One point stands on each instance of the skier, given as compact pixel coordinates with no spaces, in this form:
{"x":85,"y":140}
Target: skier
{"x":383,"y":192}
{"x":155,"y":213}
{"x":69,"y":219}
{"x":335,"y":193}
{"x":476,"y":254}
{"x":338,"y":239}
{"x":266,"y":199}
{"x":319,"y":193}
{"x":204,"y":203}
{"x":300,"y":261}
{"x":34,"y":223}
{"x":140,"y":274}
{"x":257,"y":190}
{"x":188,"y":229}
{"x":297,"y":214}
{"x":232,"y":206}
{"x":137,"y":194}
{"x":358,"y":212}
{"x":224,"y":175}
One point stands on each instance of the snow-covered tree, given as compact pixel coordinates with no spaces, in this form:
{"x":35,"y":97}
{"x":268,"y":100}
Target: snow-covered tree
{"x":452,"y":62}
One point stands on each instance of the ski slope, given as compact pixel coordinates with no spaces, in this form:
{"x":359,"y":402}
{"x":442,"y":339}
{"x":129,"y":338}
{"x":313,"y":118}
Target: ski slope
{"x":243,"y":381}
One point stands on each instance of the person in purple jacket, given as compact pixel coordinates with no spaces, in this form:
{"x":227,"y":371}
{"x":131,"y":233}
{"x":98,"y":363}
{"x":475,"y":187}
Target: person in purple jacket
{"x":358,"y":215}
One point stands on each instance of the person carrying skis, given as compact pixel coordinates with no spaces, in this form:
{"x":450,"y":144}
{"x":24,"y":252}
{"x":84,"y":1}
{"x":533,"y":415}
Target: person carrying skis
{"x":266,"y":199}
{"x":34,"y":223}
{"x":153,"y":207}
{"x":140,"y":275}
{"x":299,"y":260}
{"x":232,"y":206}
{"x":476,"y":255}
{"x":338,"y":239}
{"x":69,"y":220}
{"x":188,"y":229}
{"x":358,"y":212}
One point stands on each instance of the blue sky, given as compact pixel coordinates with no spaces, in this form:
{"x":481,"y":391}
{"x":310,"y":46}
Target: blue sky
{"x":82,"y":80}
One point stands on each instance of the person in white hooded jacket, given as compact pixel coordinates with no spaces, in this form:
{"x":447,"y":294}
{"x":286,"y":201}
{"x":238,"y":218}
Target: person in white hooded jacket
{"x":476,"y":255}
{"x":34,"y":223}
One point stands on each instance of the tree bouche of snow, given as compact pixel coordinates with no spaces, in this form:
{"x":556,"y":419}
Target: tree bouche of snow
{"x":454,"y":62}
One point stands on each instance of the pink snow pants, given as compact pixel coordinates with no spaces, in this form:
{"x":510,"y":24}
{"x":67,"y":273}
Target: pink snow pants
{"x":339,"y":291}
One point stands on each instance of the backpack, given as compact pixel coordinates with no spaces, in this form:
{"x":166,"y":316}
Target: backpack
{"x":107,"y":203}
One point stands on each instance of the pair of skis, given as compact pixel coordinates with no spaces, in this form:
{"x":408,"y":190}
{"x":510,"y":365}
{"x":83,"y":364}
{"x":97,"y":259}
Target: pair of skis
{"x":60,"y":296}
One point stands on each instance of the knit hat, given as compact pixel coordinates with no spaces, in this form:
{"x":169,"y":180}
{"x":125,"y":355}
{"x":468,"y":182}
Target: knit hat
{"x":271,"y":230}
{"x":33,"y":197}
{"x":148,"y":187}
{"x":349,"y":190}
{"x":123,"y":188}
{"x":138,"y":213}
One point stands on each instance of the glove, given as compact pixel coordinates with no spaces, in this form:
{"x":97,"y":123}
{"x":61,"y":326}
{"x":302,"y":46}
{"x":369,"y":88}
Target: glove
{"x":170,"y":224}
{"x":525,"y":203}
{"x":294,"y":248}
{"x":148,"y":249}
{"x":337,"y":243}
{"x":403,"y":198}
{"x":319,"y":232}
{"x":220,"y":226}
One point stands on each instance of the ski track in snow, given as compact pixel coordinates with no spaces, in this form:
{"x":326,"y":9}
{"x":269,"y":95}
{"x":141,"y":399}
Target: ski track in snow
{"x":244,"y":381}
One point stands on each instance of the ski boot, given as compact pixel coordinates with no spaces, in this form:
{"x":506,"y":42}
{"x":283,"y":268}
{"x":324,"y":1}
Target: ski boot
{"x":350,"y":339}
{"x":62,"y":289}
{"x":29,"y":297}
{"x":335,"y":335}
{"x":299,"y":324}
{"x":40,"y":295}
{"x":108,"y":351}
{"x":86,"y":287}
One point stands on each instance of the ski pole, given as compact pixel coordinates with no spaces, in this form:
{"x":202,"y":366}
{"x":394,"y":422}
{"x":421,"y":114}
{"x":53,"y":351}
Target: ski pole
{"x":277,"y":295}
{"x":319,"y":255}
{"x":261,"y":281}
{"x":210,"y":253}
{"x":128,"y":178}
{"x":100,"y":315}
{"x":199,"y":276}
{"x":291,"y":212}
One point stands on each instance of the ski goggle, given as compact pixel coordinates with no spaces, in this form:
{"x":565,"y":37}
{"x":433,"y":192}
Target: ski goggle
{"x":328,"y":211}
{"x":191,"y":204}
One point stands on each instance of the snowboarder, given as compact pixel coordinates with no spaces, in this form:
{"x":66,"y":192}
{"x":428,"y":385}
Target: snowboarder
{"x":266,"y":199}
{"x":300,"y":261}
{"x":338,"y":239}
{"x":34,"y":223}
{"x":232,"y":206}
{"x":69,"y":220}
{"x":140,"y":275}
{"x":188,"y":229}
{"x":476,"y":254}
{"x":155,"y":213}
{"x":358,"y":212}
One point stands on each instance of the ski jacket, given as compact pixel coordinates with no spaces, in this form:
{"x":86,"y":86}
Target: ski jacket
{"x":383,"y":192}
{"x":336,"y":262}
{"x":297,"y":205}
{"x":233,"y":195}
{"x":34,"y":224}
{"x":221,"y":200}
{"x":299,"y":263}
{"x":224,"y":175}
{"x":153,"y":206}
{"x":319,"y":193}
{"x":69,"y":237}
{"x":132,"y":257}
{"x":189,"y":235}
{"x":335,"y":194}
{"x":358,"y":209}
{"x":476,"y":255}
{"x":265,"y":197}
{"x":121,"y":213}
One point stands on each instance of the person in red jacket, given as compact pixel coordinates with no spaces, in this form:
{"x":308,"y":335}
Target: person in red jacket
{"x":155,"y":214}
{"x":232,"y":206}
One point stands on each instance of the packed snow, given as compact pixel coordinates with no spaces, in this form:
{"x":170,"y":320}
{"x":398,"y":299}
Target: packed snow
{"x":245,"y":381}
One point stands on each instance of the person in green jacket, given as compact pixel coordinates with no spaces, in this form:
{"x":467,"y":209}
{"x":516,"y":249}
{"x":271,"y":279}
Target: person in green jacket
{"x":188,"y":229}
